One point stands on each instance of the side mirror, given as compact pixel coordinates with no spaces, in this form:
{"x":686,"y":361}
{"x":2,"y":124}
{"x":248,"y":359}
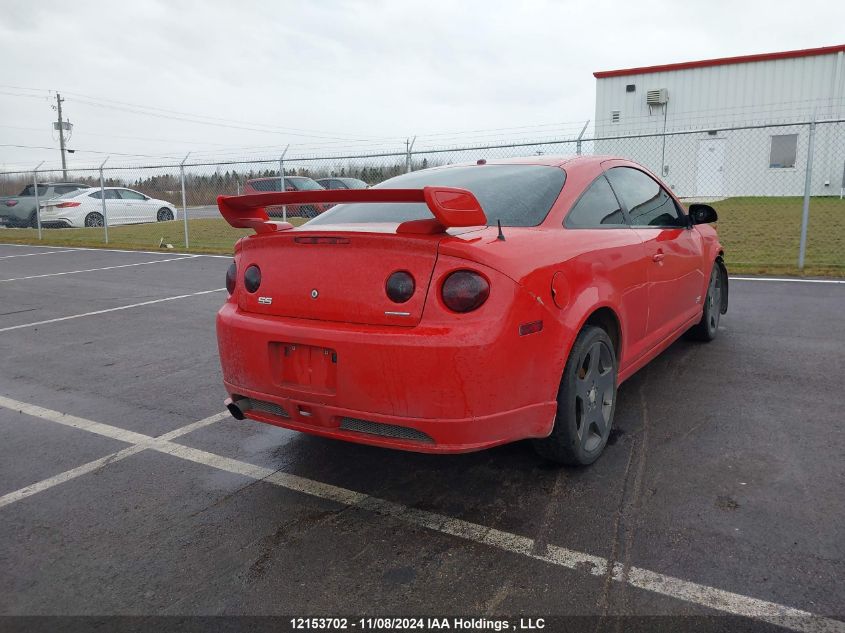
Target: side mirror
{"x":702,"y":214}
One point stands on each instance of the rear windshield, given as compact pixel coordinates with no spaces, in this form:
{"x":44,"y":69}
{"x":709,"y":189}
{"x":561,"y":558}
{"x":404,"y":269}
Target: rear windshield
{"x":353,"y":183}
{"x":518,"y":195}
{"x":44,"y":189}
{"x":72,"y":194}
{"x":300,"y":183}
{"x":303,"y":184}
{"x":29,"y":190}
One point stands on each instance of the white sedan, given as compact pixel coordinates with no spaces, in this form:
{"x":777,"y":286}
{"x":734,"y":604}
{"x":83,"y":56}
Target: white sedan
{"x":123,"y":206}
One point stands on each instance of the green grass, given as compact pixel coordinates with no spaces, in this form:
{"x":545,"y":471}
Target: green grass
{"x":760,"y":235}
{"x":206,"y":235}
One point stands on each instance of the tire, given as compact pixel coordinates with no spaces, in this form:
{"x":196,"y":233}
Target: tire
{"x":164,"y":215}
{"x":33,"y":221}
{"x":586,"y":402}
{"x":93,"y":220}
{"x":707,"y":329}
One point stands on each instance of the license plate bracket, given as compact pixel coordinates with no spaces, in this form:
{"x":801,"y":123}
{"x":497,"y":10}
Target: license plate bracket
{"x":305,"y":366}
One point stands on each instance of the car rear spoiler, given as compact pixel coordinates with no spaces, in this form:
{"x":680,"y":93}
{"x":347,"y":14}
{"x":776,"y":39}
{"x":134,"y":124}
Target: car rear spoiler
{"x":450,"y":206}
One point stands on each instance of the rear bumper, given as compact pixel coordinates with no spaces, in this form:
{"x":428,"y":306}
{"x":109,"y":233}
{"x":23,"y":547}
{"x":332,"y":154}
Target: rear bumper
{"x":421,"y":435}
{"x":13,"y":219}
{"x":50,"y":218}
{"x":452,"y":390}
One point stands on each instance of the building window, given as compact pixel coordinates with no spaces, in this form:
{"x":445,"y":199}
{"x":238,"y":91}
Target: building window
{"x":614,"y":116}
{"x":784,"y":148}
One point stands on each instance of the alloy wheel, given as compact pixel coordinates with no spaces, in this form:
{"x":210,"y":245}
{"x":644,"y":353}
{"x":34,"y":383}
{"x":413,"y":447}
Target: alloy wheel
{"x":714,"y":300}
{"x":594,"y":393}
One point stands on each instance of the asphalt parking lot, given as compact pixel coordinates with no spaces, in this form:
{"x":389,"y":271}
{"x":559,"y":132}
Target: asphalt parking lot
{"x":125,"y":489}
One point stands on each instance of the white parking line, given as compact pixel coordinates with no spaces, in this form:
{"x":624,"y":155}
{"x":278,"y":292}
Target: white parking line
{"x":118,"y":250}
{"x":61,"y":478}
{"x":126,"y":307}
{"x":91,"y":270}
{"x":684,"y":590}
{"x":100,"y":429}
{"x":790,"y":279}
{"x":68,"y":250}
{"x":179,"y":253}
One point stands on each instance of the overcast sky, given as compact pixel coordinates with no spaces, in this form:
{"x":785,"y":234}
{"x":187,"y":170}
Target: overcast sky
{"x":332,"y":75}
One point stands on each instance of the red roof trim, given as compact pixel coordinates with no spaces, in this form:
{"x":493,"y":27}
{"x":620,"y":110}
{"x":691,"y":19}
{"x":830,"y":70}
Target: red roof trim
{"x":722,"y":61}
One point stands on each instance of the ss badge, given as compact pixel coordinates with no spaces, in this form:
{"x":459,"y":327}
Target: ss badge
{"x":265,"y":300}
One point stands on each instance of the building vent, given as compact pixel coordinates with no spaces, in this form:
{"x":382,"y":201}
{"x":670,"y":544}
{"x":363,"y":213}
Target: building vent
{"x":631,"y":88}
{"x":657,"y":97}
{"x":614,"y":116}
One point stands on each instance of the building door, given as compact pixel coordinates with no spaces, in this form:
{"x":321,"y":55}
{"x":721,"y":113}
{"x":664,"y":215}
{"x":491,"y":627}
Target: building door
{"x":711,"y":168}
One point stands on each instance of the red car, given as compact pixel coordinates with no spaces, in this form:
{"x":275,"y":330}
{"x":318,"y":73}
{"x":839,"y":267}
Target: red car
{"x":457,"y":308}
{"x":292,"y":183}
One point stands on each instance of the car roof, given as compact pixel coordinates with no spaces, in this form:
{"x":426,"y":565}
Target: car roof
{"x":548,"y":161}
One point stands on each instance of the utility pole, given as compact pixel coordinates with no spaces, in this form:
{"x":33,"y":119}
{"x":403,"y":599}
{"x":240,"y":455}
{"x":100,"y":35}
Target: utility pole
{"x":61,"y":128}
{"x":409,"y":147}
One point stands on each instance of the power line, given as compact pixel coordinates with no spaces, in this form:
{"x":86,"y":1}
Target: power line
{"x":337,"y":135}
{"x":149,"y":110}
{"x":92,"y":151}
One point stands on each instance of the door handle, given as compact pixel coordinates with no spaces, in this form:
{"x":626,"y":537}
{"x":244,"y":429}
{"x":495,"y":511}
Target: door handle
{"x":657,"y":257}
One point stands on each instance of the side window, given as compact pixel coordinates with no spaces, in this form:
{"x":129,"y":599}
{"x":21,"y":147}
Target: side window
{"x":597,"y":208}
{"x":128,"y":194}
{"x":648,"y":204}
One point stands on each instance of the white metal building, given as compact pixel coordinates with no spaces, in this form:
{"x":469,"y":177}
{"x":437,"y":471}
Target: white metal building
{"x":732,"y":126}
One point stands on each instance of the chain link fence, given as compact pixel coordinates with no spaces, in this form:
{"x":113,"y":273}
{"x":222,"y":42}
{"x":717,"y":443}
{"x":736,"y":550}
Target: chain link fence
{"x":778,"y":189}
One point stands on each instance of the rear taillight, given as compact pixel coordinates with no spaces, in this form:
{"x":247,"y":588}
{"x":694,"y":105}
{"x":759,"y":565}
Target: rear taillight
{"x":68,"y":204}
{"x":399,"y":286}
{"x":231,"y":277}
{"x":252,"y":278}
{"x":465,"y":291}
{"x":11,"y":203}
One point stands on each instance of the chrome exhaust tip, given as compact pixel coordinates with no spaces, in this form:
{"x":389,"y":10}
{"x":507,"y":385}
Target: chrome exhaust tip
{"x":238,"y":407}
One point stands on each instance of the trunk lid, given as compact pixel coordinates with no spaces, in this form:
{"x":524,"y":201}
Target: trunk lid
{"x":337,"y":276}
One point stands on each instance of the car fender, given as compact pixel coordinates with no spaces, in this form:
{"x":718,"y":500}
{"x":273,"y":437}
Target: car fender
{"x":583,"y":297}
{"x":588,"y":302}
{"x":713,"y":253}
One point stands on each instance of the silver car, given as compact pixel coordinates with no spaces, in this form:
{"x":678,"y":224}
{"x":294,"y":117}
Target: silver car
{"x":19,"y":210}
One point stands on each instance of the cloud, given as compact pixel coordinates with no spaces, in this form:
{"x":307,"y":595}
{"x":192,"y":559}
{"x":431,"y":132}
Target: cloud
{"x":349,"y":69}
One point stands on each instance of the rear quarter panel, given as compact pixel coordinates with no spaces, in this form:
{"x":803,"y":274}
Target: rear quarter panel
{"x":597,"y":268}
